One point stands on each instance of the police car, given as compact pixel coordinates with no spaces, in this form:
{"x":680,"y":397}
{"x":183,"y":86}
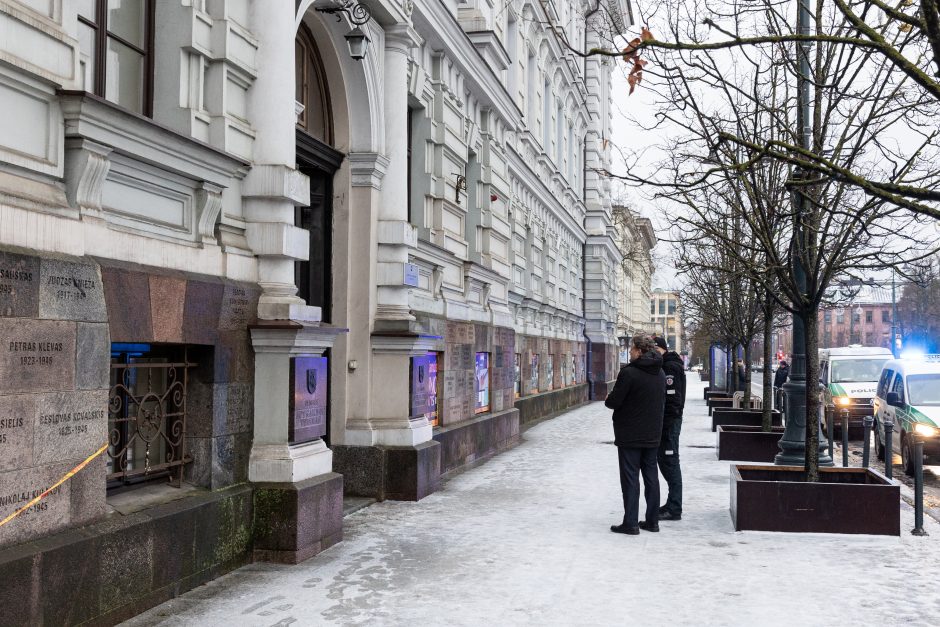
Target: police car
{"x":908,"y":395}
{"x":849,"y":376}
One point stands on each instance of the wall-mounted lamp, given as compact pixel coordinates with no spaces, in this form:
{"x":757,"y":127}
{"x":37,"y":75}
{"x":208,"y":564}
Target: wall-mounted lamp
{"x":356,"y":13}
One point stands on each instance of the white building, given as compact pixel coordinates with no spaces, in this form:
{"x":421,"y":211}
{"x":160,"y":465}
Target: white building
{"x":666,"y":314}
{"x":635,"y":240}
{"x":268,"y":270}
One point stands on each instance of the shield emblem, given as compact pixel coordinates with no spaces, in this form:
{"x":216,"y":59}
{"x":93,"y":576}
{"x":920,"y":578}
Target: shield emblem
{"x":669,"y":380}
{"x":312,"y":381}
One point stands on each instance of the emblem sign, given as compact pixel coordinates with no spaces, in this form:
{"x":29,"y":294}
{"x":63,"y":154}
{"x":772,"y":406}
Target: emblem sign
{"x":308,"y":399}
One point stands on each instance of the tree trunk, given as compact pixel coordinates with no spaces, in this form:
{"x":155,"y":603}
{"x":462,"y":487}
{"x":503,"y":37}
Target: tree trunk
{"x":766,"y":421}
{"x":811,"y":349}
{"x":746,"y":404}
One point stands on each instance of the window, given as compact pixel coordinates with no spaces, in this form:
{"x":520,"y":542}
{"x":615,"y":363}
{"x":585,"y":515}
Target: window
{"x":424,"y":388}
{"x":662,"y":307}
{"x":147,"y":413}
{"x":869,"y":316}
{"x":883,"y":383}
{"x":672,"y":306}
{"x":885,"y":315}
{"x":482,"y":383}
{"x":652,"y":306}
{"x":311,"y":88}
{"x":827,"y":316}
{"x":840,"y":318}
{"x":116,"y":38}
{"x":898,"y":386}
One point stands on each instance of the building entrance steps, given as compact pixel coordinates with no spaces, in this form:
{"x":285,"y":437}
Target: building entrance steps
{"x":524,"y":539}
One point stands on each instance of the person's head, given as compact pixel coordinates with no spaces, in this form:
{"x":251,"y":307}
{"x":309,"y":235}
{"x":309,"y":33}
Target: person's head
{"x":661,"y":345}
{"x":640,"y":345}
{"x":783,"y":363}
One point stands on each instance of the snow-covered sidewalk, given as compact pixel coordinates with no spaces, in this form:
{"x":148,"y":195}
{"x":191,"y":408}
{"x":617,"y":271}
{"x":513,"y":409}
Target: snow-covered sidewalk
{"x":524,"y":539}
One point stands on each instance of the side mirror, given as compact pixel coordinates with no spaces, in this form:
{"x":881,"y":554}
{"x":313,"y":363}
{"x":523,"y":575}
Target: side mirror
{"x":894,"y":399}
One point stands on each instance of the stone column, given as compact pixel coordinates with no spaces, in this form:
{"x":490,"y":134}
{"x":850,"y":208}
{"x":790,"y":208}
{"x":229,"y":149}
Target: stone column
{"x":395,"y":233}
{"x":273,"y":187}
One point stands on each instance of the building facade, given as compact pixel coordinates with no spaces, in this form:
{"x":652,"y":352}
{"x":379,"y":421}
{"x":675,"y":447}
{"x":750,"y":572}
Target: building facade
{"x":862,"y":314}
{"x":635,"y":240}
{"x":666,"y":315}
{"x":248,"y":265}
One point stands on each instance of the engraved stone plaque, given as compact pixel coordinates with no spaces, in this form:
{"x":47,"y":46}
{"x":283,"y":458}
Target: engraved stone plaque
{"x":238,"y":307}
{"x":70,"y":425}
{"x":52,"y":513}
{"x":71,"y":291}
{"x":36,"y":355}
{"x":17,"y":415}
{"x":307,"y":416}
{"x":19,"y":285}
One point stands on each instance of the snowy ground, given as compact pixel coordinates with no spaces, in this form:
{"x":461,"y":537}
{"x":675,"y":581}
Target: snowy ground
{"x":524,"y":539}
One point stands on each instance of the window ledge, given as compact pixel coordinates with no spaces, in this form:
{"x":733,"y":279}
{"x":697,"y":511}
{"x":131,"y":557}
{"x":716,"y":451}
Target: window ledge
{"x":134,"y":500}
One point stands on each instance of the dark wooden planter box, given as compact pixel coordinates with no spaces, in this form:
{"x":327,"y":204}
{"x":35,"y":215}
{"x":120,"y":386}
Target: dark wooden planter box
{"x":707,"y":390}
{"x":744,"y":417}
{"x":845,"y":500}
{"x":719,"y":402}
{"x":747,"y":444}
{"x":710,"y":393}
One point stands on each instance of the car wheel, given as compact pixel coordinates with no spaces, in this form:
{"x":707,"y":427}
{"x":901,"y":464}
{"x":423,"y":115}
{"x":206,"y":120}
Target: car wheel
{"x":879,"y":446}
{"x":907,"y":456}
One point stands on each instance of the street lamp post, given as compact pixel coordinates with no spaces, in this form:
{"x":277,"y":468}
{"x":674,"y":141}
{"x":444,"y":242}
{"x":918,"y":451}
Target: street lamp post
{"x":793,"y":443}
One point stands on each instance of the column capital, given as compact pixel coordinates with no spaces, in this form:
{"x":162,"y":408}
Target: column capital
{"x":401,"y":37}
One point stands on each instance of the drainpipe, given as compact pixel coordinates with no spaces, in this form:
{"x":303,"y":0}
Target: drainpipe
{"x":587,"y":366}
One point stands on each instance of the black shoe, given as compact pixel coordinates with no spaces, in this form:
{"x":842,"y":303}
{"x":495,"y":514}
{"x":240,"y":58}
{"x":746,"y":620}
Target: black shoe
{"x":630,"y":531}
{"x":645,"y":526}
{"x":663,"y":510}
{"x":667,"y":515}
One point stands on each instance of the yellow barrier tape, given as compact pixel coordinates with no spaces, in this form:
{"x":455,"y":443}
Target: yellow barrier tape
{"x":67,"y":476}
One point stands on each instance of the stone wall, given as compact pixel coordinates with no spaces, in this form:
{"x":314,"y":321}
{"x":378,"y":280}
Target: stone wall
{"x":54,"y":368}
{"x":58,"y":318}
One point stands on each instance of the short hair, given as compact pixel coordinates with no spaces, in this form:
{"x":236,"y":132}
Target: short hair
{"x":644,"y":342}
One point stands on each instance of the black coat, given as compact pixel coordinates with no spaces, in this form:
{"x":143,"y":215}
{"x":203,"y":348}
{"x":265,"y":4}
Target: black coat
{"x":780,"y":377}
{"x":674,"y":368}
{"x":638,"y":399}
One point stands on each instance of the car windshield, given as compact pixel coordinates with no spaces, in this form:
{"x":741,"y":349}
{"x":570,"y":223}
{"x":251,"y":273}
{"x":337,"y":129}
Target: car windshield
{"x":857,"y":370}
{"x":923,"y":389}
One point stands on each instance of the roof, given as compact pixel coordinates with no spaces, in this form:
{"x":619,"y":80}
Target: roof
{"x":855,"y":351}
{"x":913,"y":366}
{"x":860,"y":294}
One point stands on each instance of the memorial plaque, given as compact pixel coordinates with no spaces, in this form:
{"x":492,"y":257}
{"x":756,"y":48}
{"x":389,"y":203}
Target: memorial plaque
{"x":307,"y":417}
{"x":36,"y":355}
{"x":71,"y":291}
{"x":19,"y":285}
{"x":17,"y":415}
{"x":50,"y":514}
{"x":238,"y":307}
{"x":482,"y":375}
{"x":70,"y":425}
{"x":424,"y":387}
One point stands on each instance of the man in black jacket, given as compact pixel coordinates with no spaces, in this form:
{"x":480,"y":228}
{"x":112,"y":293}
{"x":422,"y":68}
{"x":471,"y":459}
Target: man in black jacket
{"x":674,"y":369}
{"x":637,"y":400}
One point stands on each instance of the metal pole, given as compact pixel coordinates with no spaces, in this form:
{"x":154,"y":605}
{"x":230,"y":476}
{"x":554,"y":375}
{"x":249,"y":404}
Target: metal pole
{"x":845,"y":438}
{"x":793,"y":443}
{"x":918,"y":529}
{"x":830,"y":432}
{"x":866,"y":447}
{"x":889,"y":451}
{"x":894,"y":317}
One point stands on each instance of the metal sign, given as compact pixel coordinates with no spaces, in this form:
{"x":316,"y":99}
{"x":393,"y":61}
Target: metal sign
{"x":412,"y":274}
{"x":308,"y":400}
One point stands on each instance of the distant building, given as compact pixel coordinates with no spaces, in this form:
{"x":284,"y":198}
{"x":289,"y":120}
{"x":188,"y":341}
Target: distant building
{"x":666,"y":318}
{"x":635,"y":239}
{"x":858,"y":314}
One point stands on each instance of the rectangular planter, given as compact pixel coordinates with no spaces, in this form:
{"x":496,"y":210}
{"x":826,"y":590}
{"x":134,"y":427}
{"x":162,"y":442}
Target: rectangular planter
{"x":706,"y":391}
{"x":745,"y":417}
{"x":710,"y":393}
{"x":747,"y":444}
{"x":719,"y":402}
{"x":845,"y":500}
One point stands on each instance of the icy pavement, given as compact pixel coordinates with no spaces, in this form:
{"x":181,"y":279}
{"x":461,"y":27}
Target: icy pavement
{"x":524,"y":539}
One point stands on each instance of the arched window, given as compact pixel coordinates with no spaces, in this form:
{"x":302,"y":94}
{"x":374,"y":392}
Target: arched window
{"x":312,"y":90}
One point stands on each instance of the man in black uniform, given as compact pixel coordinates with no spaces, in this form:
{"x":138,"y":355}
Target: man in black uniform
{"x":674,"y":368}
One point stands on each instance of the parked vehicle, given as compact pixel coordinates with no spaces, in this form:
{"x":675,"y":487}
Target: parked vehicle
{"x":908,"y":395}
{"x":849,"y":376}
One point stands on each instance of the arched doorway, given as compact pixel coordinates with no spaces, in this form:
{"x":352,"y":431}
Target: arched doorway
{"x":317,"y":159}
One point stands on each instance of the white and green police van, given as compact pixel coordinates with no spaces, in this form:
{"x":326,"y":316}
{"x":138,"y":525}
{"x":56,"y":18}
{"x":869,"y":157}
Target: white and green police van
{"x":849,"y":376}
{"x":908,"y":395}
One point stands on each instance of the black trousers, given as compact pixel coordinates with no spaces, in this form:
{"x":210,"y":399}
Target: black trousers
{"x":669,"y":466}
{"x":633,"y":461}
